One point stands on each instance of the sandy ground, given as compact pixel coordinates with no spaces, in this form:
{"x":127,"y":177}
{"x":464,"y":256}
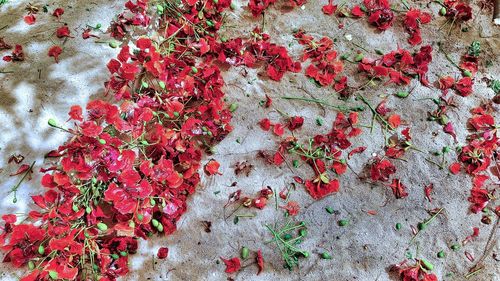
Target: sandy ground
{"x":39,"y":89}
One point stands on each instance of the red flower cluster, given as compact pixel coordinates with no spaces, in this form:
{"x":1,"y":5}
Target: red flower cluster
{"x":379,"y":13}
{"x":417,"y":272}
{"x":16,"y":55}
{"x":135,"y":15}
{"x":129,"y":167}
{"x":257,"y":7}
{"x":479,"y":154}
{"x":399,"y":66}
{"x":324,"y":66}
{"x":457,"y":10}
{"x":257,"y":49}
{"x":412,"y":21}
{"x":323,"y":153}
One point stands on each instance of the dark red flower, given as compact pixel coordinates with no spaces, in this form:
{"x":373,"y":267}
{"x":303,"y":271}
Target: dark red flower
{"x":16,"y":55}
{"x":162,"y":253}
{"x":381,"y":170}
{"x":295,"y":122}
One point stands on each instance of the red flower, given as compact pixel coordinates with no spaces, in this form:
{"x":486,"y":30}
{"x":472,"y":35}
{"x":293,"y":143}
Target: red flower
{"x":30,"y":19}
{"x":212,"y":168}
{"x":265,"y":124}
{"x":259,"y":202}
{"x":162,"y":253}
{"x":412,"y":21}
{"x":58,"y":13}
{"x":357,"y":12}
{"x":394,"y":121}
{"x":427,"y":190}
{"x":232,"y":265}
{"x":63,"y":32}
{"x":455,"y":168}
{"x":260,"y":261}
{"x":292,"y":208}
{"x":295,"y":122}
{"x":398,"y":189}
{"x":279,"y":129}
{"x":381,"y":170}
{"x":319,"y":188}
{"x":54,"y":52}
{"x":464,"y":86}
{"x":329,"y":9}
{"x":75,"y":113}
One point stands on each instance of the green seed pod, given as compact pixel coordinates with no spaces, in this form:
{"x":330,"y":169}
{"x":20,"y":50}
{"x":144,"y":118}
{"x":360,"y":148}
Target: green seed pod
{"x":53,"y":275}
{"x":223,"y":39}
{"x":123,"y":253}
{"x":88,"y":210}
{"x":131,"y":224}
{"x":295,"y":163}
{"x":329,"y":210}
{"x":442,"y":11}
{"x":446,"y":149}
{"x":443,"y":120}
{"x":152,"y":201}
{"x":101,"y":141}
{"x":398,"y":226}
{"x":176,"y":114}
{"x":102,"y":226}
{"x":98,"y":26}
{"x":75,"y":208}
{"x":52,"y":123}
{"x":162,"y":84}
{"x":233,"y":107}
{"x":440,"y":254}
{"x":303,"y":232}
{"x":287,"y":236}
{"x":319,"y":121}
{"x":305,"y":254}
{"x":359,"y":57}
{"x":298,"y":241}
{"x":427,"y":264}
{"x":344,"y":56}
{"x":210,"y":23}
{"x":155,"y":222}
{"x":455,"y":247}
{"x":144,"y":142}
{"x":422,"y":226}
{"x":160,"y":227}
{"x":113,"y":44}
{"x":31,"y":265}
{"x":86,"y":234}
{"x":379,"y":52}
{"x":245,"y":252}
{"x":467,"y":73}
{"x":41,"y":250}
{"x":159,"y":9}
{"x":115,"y":256}
{"x":216,"y":2}
{"x":326,"y":256}
{"x":94,"y":180}
{"x":402,"y":94}
{"x":343,"y":222}
{"x":233,"y":6}
{"x":194,"y":69}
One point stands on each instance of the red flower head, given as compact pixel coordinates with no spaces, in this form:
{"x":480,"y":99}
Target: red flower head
{"x":232,"y":265}
{"x":54,"y":52}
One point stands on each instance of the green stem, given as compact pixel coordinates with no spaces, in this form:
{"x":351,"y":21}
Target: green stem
{"x":16,"y":187}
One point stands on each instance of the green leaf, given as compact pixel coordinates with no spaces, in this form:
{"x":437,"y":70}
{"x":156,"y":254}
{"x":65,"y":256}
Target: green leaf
{"x":53,"y":275}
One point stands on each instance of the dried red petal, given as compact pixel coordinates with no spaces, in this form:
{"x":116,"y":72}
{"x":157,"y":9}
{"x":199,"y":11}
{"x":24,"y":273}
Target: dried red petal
{"x":455,"y":168}
{"x":260,"y":261}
